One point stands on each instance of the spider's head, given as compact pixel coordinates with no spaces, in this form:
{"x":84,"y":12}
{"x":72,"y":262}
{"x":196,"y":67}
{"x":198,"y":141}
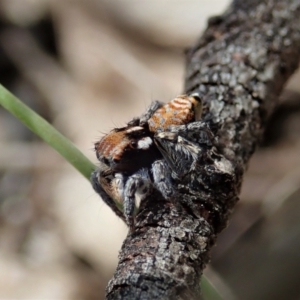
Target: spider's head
{"x":127,"y":149}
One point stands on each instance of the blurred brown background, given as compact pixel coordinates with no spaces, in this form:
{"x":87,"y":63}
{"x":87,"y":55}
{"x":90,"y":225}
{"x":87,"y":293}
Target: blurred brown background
{"x":88,"y":66}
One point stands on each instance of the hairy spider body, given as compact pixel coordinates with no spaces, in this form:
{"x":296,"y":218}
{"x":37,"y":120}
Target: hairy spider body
{"x":126,"y":156}
{"x":152,"y":151}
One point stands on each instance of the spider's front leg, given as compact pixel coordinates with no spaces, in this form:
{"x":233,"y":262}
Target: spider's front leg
{"x":137,"y":185}
{"x":104,"y":185}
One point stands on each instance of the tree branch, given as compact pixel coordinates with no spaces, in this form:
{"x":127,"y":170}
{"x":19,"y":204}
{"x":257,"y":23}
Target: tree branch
{"x":239,"y":67}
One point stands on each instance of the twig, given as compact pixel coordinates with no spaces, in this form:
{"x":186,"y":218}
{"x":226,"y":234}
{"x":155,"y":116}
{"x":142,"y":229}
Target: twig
{"x":239,"y":67}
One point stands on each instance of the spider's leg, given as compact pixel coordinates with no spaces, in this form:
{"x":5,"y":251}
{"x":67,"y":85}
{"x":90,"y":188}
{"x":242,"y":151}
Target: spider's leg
{"x":182,"y":146}
{"x":199,"y":133}
{"x":95,"y":180}
{"x":179,"y":153}
{"x":137,"y":184}
{"x":161,"y":176}
{"x":153,"y":107}
{"x":142,"y":120}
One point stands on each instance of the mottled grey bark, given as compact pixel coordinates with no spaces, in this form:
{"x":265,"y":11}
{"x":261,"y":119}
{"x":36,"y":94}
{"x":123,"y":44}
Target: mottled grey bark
{"x":239,"y":67}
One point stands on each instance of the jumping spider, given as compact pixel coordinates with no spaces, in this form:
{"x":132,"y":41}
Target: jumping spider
{"x":150,"y":152}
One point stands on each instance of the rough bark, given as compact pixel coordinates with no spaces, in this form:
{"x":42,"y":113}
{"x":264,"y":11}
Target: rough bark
{"x":239,"y":67}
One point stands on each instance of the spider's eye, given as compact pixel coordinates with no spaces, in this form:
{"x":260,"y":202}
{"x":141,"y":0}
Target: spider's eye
{"x":105,"y":160}
{"x":133,"y":144}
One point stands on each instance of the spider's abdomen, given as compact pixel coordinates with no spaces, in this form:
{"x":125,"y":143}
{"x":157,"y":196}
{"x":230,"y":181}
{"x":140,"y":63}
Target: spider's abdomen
{"x":179,"y":111}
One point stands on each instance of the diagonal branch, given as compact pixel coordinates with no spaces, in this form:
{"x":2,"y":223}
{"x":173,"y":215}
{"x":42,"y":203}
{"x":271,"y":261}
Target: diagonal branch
{"x":239,"y":67}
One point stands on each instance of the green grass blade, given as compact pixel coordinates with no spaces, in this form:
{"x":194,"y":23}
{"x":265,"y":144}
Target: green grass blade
{"x":209,"y":291}
{"x":46,"y":131}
